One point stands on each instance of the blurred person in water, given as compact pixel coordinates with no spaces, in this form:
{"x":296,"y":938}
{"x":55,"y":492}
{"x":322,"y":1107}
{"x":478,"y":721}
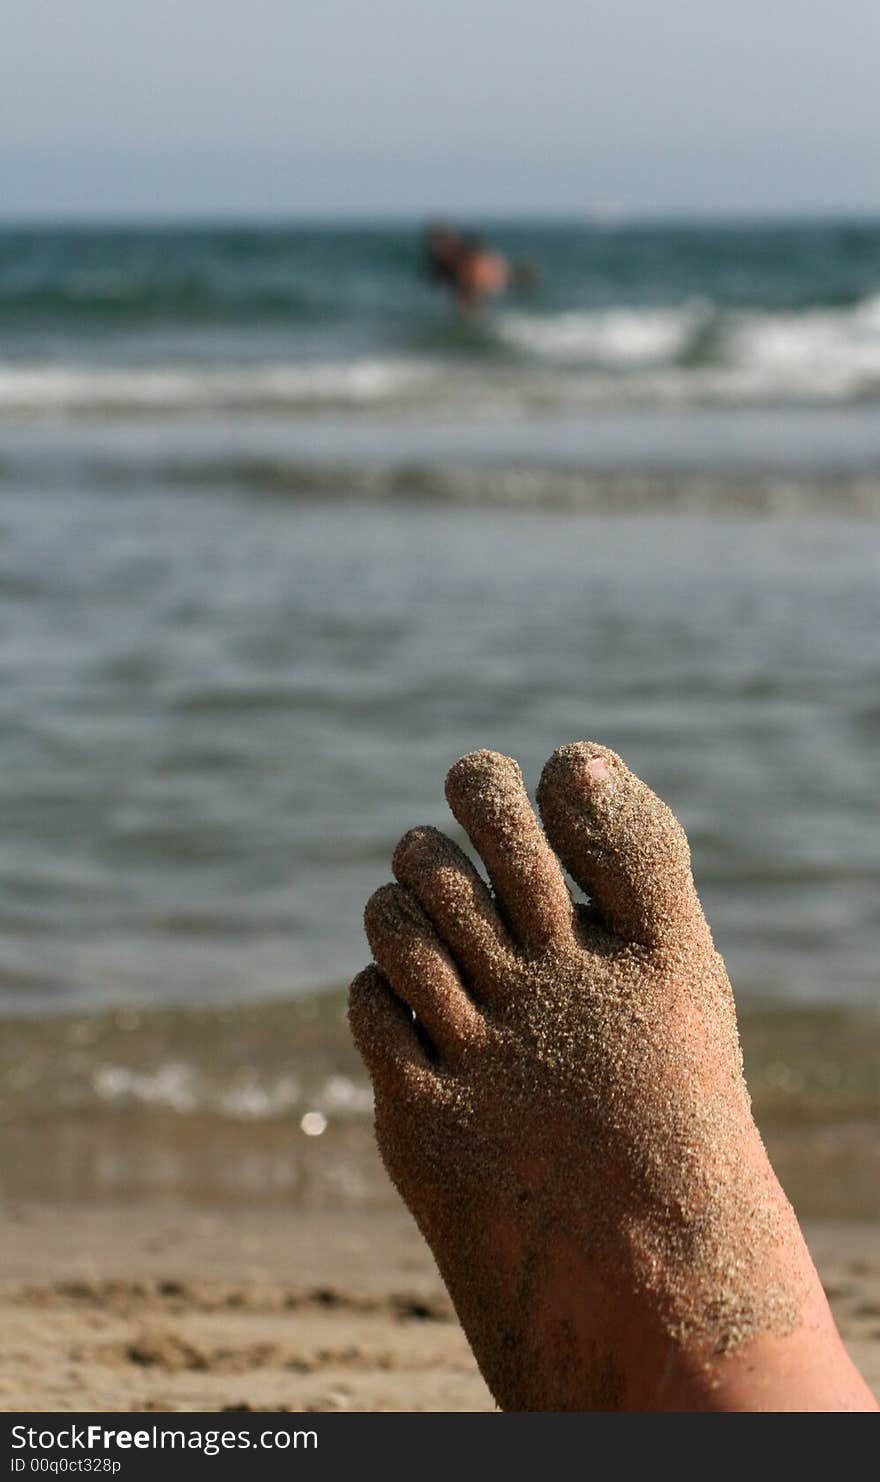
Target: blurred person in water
{"x":472,"y":271}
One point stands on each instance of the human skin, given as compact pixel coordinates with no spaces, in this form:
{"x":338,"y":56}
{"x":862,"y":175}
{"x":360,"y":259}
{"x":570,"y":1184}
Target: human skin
{"x":560,"y":1102}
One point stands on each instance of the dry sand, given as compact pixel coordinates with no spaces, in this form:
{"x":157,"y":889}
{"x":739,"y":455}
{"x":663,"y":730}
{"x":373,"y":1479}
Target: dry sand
{"x":142,"y":1307}
{"x":138,"y":1308}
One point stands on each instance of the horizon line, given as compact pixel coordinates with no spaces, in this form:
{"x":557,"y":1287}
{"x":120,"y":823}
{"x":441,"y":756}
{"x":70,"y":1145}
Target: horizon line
{"x":601,"y":216}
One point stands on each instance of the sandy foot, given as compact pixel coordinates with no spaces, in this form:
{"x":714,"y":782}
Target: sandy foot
{"x":560,"y":1101}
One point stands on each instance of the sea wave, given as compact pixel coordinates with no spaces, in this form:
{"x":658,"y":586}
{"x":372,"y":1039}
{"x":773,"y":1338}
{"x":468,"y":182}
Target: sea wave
{"x":198,"y":388}
{"x":620,"y":337}
{"x":515,"y":485}
{"x":699,"y":352}
{"x":691,"y":355}
{"x":184,"y":1087}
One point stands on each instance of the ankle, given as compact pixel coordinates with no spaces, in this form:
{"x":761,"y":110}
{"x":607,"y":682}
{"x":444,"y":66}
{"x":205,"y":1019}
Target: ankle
{"x":807,"y":1369}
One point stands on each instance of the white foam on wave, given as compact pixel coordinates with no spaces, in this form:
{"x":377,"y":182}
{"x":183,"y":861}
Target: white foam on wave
{"x":614,"y":337}
{"x":814,"y":354}
{"x":181,"y":1087}
{"x":689,"y":354}
{"x":640,"y":356}
{"x":171,"y":1085}
{"x":76,"y":388}
{"x":819,"y":353}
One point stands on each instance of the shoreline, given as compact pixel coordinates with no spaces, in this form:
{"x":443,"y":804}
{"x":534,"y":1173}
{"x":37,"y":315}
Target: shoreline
{"x":204,"y":1105}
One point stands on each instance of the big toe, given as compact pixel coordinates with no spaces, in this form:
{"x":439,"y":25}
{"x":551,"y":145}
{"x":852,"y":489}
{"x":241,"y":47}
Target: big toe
{"x":622,"y":845}
{"x":485,"y":792}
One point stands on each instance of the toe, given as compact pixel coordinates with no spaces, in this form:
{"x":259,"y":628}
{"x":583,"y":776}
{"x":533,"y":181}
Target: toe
{"x":485,"y":792}
{"x":621,"y":844}
{"x":460,"y":906}
{"x":421,"y":972}
{"x":384,"y":1031}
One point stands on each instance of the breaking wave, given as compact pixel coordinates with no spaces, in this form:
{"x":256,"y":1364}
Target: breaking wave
{"x":692,"y":355}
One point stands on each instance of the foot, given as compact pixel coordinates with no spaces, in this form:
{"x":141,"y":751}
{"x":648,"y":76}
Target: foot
{"x":560,"y":1102}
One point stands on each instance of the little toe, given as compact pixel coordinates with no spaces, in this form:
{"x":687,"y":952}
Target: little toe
{"x":460,"y":906}
{"x":384,"y":1031}
{"x":421,"y":972}
{"x":486,"y":793}
{"x":622,"y":845}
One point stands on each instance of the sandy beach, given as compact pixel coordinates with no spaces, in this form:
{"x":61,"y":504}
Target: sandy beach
{"x":173,"y":1309}
{"x":174,"y":1239}
{"x":167,"y":1309}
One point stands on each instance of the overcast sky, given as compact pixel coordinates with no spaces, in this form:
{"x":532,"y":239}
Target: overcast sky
{"x":329,"y":107}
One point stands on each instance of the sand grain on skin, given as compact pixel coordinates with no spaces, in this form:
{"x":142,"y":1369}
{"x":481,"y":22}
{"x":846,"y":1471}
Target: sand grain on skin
{"x":597,"y":1114}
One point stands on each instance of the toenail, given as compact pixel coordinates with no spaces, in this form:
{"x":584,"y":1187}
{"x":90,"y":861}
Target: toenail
{"x":598,"y":769}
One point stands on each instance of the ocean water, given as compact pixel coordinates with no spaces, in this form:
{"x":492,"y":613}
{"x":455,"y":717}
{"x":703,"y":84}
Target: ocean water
{"x":281,"y":536}
{"x":302,"y":319}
